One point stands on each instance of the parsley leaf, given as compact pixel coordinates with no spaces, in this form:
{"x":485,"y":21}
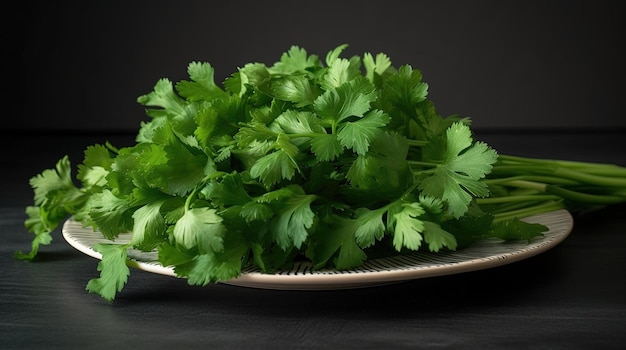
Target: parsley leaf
{"x":460,"y":166}
{"x":202,"y":86}
{"x":293,"y":219}
{"x":408,"y":227}
{"x":200,"y":228}
{"x":351,"y":99}
{"x":113,"y":271}
{"x":517,"y":229}
{"x":359,"y":134}
{"x":338,"y":246}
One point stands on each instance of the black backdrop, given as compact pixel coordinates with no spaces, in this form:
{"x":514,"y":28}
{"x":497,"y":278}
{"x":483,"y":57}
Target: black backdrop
{"x":506,"y":64}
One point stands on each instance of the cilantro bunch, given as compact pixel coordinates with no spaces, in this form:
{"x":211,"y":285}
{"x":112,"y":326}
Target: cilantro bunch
{"x":332,"y":161}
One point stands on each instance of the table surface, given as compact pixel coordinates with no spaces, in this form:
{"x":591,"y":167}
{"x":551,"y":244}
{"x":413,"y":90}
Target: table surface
{"x":572,"y":296}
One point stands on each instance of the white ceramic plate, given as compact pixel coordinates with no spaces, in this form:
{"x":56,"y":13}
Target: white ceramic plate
{"x":481,"y":255}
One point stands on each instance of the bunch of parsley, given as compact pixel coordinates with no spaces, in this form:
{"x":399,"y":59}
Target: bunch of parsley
{"x":330,"y":161}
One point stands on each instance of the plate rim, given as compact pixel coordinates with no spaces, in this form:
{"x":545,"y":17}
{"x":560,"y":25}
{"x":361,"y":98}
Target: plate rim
{"x":559,"y":222}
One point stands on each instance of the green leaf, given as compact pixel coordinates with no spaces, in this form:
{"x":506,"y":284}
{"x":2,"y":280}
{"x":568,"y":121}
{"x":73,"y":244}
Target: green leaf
{"x":210,"y":124}
{"x":253,"y":211}
{"x":383,"y":169}
{"x":40,"y":228}
{"x":408,"y":227}
{"x":359,"y":134}
{"x":334,"y":54}
{"x":221,"y":266}
{"x":469,"y":228}
{"x":437,"y":237}
{"x":202,"y":271}
{"x":291,"y":222}
{"x":339,"y":244}
{"x":299,"y":122}
{"x":296,"y":89}
{"x":55,"y":197}
{"x":340,"y":71}
{"x":202,"y":86}
{"x":326,"y":147}
{"x":202,"y":228}
{"x":92,"y":177}
{"x":351,"y":99}
{"x":274,"y":167}
{"x":405,"y":89}
{"x":163,"y":96}
{"x":254,"y":132}
{"x":516,"y":229}
{"x":248,"y":79}
{"x":148,"y":226}
{"x":173,"y":167}
{"x":171,"y":255}
{"x":51,"y":181}
{"x":113,"y":271}
{"x":362,"y":172}
{"x":98,"y":155}
{"x":461,"y":165}
{"x":95,"y":167}
{"x":370,"y":227}
{"x":111,"y":214}
{"x":378,"y":66}
{"x":227,"y":191}
{"x":295,"y":60}
{"x":284,"y":143}
{"x":278,"y":194}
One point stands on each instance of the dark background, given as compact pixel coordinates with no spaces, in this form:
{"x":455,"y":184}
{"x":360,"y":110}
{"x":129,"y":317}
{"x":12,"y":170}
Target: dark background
{"x":539,"y":78}
{"x":80,"y":66}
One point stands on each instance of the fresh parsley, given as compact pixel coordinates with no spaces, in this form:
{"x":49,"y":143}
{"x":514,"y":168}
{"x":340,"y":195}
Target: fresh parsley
{"x":329,"y":160}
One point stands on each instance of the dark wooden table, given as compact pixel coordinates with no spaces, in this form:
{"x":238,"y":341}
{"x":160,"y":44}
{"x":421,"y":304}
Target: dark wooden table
{"x":570,"y":297}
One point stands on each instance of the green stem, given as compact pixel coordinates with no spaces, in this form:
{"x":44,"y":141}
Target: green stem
{"x":418,"y":163}
{"x":532,"y":178}
{"x":599,"y":169}
{"x":529,"y":211}
{"x":305,"y":134}
{"x":520,"y":198}
{"x":590,"y":178}
{"x":193,"y":193}
{"x":417,"y":143}
{"x":531,"y":185}
{"x":506,"y":207}
{"x":584,"y":197}
{"x":574,"y":175}
{"x":190,"y":198}
{"x":565,"y":163}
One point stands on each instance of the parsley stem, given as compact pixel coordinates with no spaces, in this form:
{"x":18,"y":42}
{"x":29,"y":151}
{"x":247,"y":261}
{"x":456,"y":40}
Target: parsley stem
{"x":529,"y":211}
{"x":566,"y":173}
{"x":585,"y":197}
{"x":533,"y":178}
{"x":591,"y":178}
{"x":307,"y":134}
{"x":189,"y":198}
{"x":509,"y":206}
{"x":565,"y":163}
{"x":194,"y":192}
{"x":418,"y":163}
{"x":516,"y":198}
{"x":532,"y":185}
{"x":417,"y":143}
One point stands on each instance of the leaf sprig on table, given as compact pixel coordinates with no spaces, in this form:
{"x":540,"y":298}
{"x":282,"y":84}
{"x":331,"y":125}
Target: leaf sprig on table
{"x":330,"y":160}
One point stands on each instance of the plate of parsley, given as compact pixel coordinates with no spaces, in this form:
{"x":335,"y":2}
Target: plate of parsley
{"x":310,"y":173}
{"x":483,"y":254}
